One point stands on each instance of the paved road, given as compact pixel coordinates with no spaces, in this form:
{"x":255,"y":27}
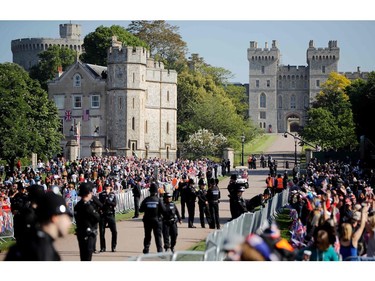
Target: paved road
{"x":130,"y":232}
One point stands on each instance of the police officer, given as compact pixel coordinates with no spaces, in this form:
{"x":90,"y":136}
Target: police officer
{"x":107,"y":217}
{"x":19,"y":202}
{"x":232,"y":189}
{"x":170,"y":218}
{"x":213,"y":198}
{"x":53,"y":221}
{"x":203,"y":204}
{"x":153,"y":209}
{"x":182,"y":187}
{"x":86,"y":220}
{"x":191,"y":197}
{"x":240,"y":203}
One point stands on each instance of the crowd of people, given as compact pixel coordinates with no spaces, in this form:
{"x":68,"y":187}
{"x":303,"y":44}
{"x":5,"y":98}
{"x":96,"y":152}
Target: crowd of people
{"x":332,"y":208}
{"x":90,"y":184}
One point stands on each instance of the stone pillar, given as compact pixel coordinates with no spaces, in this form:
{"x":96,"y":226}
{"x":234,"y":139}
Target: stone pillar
{"x":228,"y":153}
{"x":71,"y":152}
{"x":96,"y":149}
{"x":34,"y":161}
{"x":309,"y":155}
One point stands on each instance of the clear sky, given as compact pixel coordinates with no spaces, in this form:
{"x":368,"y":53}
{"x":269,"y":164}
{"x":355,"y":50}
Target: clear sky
{"x":220,"y":37}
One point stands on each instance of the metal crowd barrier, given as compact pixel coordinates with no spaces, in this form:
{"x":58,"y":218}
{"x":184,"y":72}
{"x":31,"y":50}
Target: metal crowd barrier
{"x":247,"y":223}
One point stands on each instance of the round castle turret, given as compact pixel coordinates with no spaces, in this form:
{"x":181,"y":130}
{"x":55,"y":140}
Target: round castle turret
{"x":25,"y":51}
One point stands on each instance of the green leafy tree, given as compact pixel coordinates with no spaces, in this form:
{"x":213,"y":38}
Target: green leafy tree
{"x":205,"y":143}
{"x":335,"y":112}
{"x":29,"y":121}
{"x":97,"y":43}
{"x":164,"y":40}
{"x":50,"y":60}
{"x":362,"y":98}
{"x":239,"y":98}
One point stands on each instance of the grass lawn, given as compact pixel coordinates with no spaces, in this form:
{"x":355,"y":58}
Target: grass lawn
{"x":260,"y":144}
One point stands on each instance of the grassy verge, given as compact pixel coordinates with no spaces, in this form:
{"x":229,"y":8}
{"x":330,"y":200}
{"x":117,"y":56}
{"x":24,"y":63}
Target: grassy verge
{"x":260,"y":144}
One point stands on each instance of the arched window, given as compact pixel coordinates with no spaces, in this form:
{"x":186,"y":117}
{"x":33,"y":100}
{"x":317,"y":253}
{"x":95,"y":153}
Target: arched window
{"x":293,"y":101}
{"x":262,"y":100}
{"x":280,"y":102}
{"x":77,"y":80}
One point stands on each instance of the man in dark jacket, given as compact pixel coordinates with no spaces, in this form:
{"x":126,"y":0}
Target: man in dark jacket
{"x":232,"y":189}
{"x":213,"y":198}
{"x":136,"y":190}
{"x":153,"y":209}
{"x":107,"y":217}
{"x":170,"y":218}
{"x":191,"y":197}
{"x":87,"y":219}
{"x":203,"y":204}
{"x":54,"y":221}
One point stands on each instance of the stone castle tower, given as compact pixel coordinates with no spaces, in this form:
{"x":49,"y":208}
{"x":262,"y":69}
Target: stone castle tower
{"x":279,"y":94}
{"x":25,"y":51}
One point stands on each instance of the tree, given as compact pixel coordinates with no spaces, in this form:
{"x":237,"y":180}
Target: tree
{"x":50,"y":60}
{"x":362,"y":97}
{"x":204,"y":143}
{"x":164,"y":40}
{"x":29,"y":121}
{"x":97,"y":43}
{"x":330,"y":120}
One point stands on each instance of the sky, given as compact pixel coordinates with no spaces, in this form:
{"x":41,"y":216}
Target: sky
{"x":223,"y":39}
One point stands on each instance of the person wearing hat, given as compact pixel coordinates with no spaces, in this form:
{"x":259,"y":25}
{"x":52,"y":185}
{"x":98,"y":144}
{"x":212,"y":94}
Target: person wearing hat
{"x":203,"y":204}
{"x":53,"y":221}
{"x":107,"y":217}
{"x":170,"y":218}
{"x":240,"y":203}
{"x":153,"y":209}
{"x":213,"y":198}
{"x":232,"y":189}
{"x":191,"y":197}
{"x":18,"y":202}
{"x":87,"y":219}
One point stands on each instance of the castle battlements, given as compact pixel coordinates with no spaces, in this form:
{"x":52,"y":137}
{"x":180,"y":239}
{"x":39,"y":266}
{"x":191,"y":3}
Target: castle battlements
{"x":126,"y":54}
{"x":259,"y":54}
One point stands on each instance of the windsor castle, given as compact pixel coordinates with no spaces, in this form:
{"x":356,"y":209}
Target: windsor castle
{"x":129,"y":107}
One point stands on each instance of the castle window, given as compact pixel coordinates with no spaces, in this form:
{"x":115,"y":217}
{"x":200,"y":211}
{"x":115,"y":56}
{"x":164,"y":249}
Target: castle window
{"x":260,"y":124}
{"x":167,"y":95}
{"x":262,"y":100}
{"x":268,"y":83}
{"x":280,"y":84}
{"x":306,"y":101}
{"x":146,"y":127}
{"x":133,"y":123}
{"x":120,"y":103}
{"x":264,"y":125}
{"x":257,"y":83}
{"x":293,"y":101}
{"x":77,"y":80}
{"x":280,"y":102}
{"x":95,"y":101}
{"x":262,"y":115}
{"x":262,"y":69}
{"x":318,"y":83}
{"x":323,"y":69}
{"x":77,"y":101}
{"x":167,"y":128}
{"x":61,"y":126}
{"x":133,"y":77}
{"x":59,"y":101}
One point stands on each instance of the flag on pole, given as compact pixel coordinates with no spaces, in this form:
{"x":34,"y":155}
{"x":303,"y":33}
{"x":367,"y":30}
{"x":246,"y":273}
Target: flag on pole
{"x":86,"y":115}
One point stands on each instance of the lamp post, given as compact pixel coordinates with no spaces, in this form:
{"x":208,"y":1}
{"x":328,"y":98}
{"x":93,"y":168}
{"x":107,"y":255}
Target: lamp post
{"x":243,"y":142}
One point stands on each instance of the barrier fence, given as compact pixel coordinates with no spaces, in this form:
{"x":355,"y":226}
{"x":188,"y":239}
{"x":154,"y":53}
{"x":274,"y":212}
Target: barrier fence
{"x":6,"y":225}
{"x":247,"y":223}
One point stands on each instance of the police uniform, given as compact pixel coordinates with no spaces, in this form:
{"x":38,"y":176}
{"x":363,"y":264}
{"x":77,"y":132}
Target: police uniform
{"x":153,"y":208}
{"x":232,"y":189}
{"x":39,"y":244}
{"x":107,"y":218}
{"x":191,"y":197}
{"x":213,"y":198}
{"x":97,"y":206}
{"x":170,"y":218}
{"x":240,"y":203}
{"x":136,"y":190}
{"x":203,"y":204}
{"x":87,"y":219}
{"x":19,"y":203}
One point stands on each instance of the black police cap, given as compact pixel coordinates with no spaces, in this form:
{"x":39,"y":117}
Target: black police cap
{"x":85,"y":188}
{"x":51,"y":204}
